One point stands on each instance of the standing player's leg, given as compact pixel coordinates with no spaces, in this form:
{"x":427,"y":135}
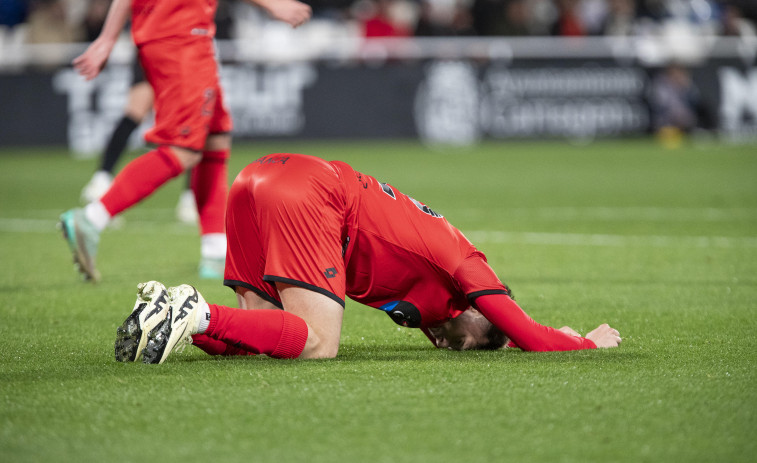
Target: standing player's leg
{"x":184,"y":77}
{"x":210,"y":177}
{"x":210,"y":187}
{"x":144,"y":175}
{"x":138,"y":180}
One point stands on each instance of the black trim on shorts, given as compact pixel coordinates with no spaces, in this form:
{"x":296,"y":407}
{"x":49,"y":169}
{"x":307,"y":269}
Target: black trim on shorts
{"x":233,"y":283}
{"x":302,"y":284}
{"x":137,"y":73}
{"x":472,"y":296}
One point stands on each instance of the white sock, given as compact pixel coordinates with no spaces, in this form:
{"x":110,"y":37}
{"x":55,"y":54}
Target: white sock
{"x":213,"y":246}
{"x":204,"y":318}
{"x":103,"y":176}
{"x":97,"y":214}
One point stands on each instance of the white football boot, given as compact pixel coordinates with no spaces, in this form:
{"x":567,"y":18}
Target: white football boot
{"x":150,"y":309}
{"x":175,"y":332}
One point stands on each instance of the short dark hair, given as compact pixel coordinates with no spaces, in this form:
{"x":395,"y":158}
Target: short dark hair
{"x":496,"y":337}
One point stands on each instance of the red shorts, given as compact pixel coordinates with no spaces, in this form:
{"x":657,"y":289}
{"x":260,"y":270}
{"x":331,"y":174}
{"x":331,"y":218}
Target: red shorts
{"x":189,"y":103}
{"x":285,"y":222}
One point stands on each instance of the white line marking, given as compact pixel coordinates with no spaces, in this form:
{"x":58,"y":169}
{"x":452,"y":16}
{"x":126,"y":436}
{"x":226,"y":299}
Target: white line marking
{"x":27,"y":225}
{"x":31,"y":224}
{"x":17,"y":225}
{"x":613,"y":214}
{"x":577,"y":239}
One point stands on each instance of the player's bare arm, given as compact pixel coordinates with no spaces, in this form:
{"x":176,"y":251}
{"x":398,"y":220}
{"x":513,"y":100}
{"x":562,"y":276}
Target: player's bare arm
{"x":291,"y":12}
{"x":91,"y":62}
{"x":527,"y":334}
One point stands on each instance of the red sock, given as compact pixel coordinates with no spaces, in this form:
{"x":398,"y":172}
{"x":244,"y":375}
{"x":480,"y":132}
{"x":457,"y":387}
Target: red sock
{"x":272,"y":332}
{"x":140,"y":178}
{"x":215,"y":347}
{"x":210,"y":186}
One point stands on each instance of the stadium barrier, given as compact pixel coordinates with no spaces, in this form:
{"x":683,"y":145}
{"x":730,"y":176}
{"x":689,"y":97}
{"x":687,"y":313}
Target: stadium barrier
{"x":450,"y":90}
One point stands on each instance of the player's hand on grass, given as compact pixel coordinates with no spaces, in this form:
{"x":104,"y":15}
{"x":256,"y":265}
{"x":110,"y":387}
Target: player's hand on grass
{"x":291,"y":12}
{"x":92,"y":61}
{"x":604,"y":336}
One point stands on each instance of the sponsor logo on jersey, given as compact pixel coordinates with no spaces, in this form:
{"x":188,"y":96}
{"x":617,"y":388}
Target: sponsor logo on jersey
{"x":269,"y":159}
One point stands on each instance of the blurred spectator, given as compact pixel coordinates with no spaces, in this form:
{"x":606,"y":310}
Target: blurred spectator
{"x":516,"y":21}
{"x":334,"y":10}
{"x":675,"y":101}
{"x":593,"y":14}
{"x":12,"y":12}
{"x":620,"y":19}
{"x":568,"y":22}
{"x":655,"y":10}
{"x":502,"y":17}
{"x":378,"y":21}
{"x":486,"y":15}
{"x":437,"y":19}
{"x":94,"y":18}
{"x":748,"y":9}
{"x":79,"y":20}
{"x":49,"y":23}
{"x":733,"y":23}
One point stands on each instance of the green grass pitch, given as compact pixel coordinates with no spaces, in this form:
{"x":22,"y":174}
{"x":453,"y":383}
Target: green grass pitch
{"x":662,"y":244}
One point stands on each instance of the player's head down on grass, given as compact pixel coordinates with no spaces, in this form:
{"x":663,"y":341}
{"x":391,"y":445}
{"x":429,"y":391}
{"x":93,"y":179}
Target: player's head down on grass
{"x":469,"y":330}
{"x":304,"y":234}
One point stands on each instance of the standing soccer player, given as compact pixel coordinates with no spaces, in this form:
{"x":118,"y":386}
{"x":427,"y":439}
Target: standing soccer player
{"x":138,"y":106}
{"x":192,"y":129}
{"x":303,"y":233}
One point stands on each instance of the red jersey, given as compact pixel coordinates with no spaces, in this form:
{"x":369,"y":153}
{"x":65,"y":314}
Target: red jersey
{"x":401,"y":251}
{"x":301,"y":220}
{"x":160,"y":19}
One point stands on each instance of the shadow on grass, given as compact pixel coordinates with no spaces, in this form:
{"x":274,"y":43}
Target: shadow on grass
{"x":96,"y":365}
{"x":420,"y":353}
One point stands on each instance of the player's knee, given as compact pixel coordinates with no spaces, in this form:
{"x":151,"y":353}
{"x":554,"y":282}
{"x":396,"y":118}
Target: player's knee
{"x":218,"y":141}
{"x":187,"y":158}
{"x":318,"y":347}
{"x":326,"y":354}
{"x":329,"y":352}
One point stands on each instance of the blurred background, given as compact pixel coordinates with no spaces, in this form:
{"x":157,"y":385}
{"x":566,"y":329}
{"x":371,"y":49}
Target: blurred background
{"x":448,"y":72}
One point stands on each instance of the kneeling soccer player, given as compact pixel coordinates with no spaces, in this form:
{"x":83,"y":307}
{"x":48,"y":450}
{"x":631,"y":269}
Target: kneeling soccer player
{"x":303,"y":234}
